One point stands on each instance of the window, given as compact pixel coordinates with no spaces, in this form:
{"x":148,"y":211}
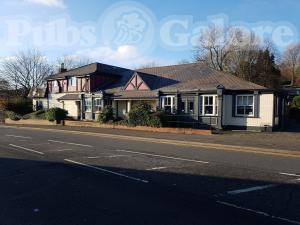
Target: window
{"x":55,"y":83}
{"x":168,"y":103}
{"x":244,"y":105}
{"x":97,"y":104}
{"x":88,"y":105}
{"x":191,"y":107}
{"x":208,"y":106}
{"x":182,"y":106}
{"x":72,"y":81}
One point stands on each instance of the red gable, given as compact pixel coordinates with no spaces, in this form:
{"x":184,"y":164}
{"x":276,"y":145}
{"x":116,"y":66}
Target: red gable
{"x":136,"y":83}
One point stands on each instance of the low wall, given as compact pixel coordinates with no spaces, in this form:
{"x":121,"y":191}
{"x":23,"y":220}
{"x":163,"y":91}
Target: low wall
{"x":138,"y":128}
{"x":30,"y":122}
{"x":110,"y":126}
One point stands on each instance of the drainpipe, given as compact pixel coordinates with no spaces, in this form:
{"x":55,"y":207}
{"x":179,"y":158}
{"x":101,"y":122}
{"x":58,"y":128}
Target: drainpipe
{"x":220,"y":93}
{"x":82,"y":107}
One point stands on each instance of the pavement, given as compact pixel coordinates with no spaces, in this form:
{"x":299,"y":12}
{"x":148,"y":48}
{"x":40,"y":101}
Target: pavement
{"x":63,"y":175}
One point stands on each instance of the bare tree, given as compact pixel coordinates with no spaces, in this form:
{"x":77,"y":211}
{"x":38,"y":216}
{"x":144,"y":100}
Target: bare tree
{"x":71,"y":62}
{"x":241,"y":61}
{"x":148,"y":65}
{"x":4,"y":85}
{"x":215,"y":46}
{"x":291,"y":60}
{"x":28,"y":69}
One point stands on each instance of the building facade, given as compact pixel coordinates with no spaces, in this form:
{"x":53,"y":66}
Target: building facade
{"x":193,"y":95}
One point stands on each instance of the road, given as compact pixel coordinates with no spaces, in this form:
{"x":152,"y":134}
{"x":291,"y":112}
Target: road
{"x":50,"y":176}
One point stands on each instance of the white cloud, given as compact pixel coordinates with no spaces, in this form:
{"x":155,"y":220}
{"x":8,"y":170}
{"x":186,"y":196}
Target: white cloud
{"x":125,"y":56}
{"x":48,"y":3}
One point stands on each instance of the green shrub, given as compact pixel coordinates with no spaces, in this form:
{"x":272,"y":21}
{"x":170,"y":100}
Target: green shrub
{"x":106,"y":115}
{"x":57,"y":114}
{"x":19,"y":105}
{"x":13,"y":116}
{"x":140,"y":114}
{"x":158,"y":119}
{"x":296,"y":102}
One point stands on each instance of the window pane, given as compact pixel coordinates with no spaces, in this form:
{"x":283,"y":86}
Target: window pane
{"x":239,"y":100}
{"x":182,"y":106}
{"x":206,"y":100}
{"x":249,"y":110}
{"x":245,"y":100}
{"x":250,"y":100}
{"x":168,"y":109}
{"x":240,"y":110}
{"x":191,"y":107}
{"x":208,"y":109}
{"x":211,"y":100}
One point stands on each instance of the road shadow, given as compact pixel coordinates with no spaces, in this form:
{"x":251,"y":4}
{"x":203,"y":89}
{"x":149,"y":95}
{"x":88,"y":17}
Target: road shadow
{"x":48,"y":192}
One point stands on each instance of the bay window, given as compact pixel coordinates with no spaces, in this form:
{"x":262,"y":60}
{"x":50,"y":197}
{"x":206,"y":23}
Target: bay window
{"x":88,"y":105}
{"x":97,"y":104}
{"x":244,"y":105}
{"x":168,"y":103}
{"x":210,"y":105}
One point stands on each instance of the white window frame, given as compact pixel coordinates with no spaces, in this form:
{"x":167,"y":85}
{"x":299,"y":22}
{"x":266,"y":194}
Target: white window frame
{"x":236,"y":105}
{"x":96,"y":105}
{"x":72,"y":81}
{"x":163,"y":99}
{"x":215,"y":103}
{"x":85,"y":105}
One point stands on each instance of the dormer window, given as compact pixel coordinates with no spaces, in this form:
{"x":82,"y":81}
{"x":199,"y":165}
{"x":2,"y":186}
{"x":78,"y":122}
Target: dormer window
{"x":72,"y":81}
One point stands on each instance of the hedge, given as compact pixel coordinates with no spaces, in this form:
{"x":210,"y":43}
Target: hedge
{"x":57,"y":114}
{"x":106,"y":115}
{"x":142,"y":115}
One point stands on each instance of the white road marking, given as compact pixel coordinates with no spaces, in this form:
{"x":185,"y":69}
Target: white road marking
{"x":107,"y":171}
{"x":93,"y":157}
{"x":17,"y":136}
{"x":27,"y":149}
{"x":114,"y":156}
{"x":157,"y":168}
{"x":61,"y":150}
{"x":164,"y":156}
{"x":105,"y":156}
{"x":290,"y":174}
{"x":257,"y":188}
{"x":258,"y":212}
{"x":70,"y":143}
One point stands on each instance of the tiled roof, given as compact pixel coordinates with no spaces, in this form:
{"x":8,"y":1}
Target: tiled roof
{"x":196,"y":76}
{"x":89,"y":69}
{"x":70,"y":97}
{"x":185,"y":77}
{"x":135,"y":94}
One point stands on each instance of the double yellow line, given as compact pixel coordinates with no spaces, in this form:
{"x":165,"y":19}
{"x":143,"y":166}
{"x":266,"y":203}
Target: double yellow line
{"x":234,"y":148}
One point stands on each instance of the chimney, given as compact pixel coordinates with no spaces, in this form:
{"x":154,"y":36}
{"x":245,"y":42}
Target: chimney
{"x":62,"y":68}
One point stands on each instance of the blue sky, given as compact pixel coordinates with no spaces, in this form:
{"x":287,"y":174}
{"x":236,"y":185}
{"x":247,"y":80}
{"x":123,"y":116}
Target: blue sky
{"x":103,"y":35}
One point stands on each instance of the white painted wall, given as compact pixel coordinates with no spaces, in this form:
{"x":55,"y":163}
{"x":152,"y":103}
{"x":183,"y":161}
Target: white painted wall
{"x":72,"y":108}
{"x":53,"y":102}
{"x":266,"y":104}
